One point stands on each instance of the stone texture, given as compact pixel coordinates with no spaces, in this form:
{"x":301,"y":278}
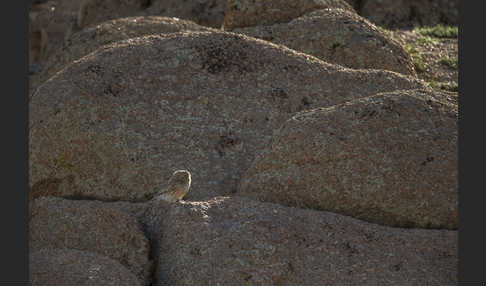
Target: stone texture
{"x":97,"y":11}
{"x":409,"y":13}
{"x":95,"y":36}
{"x":238,"y":241}
{"x":247,"y":13}
{"x":67,"y":267}
{"x":117,"y":123}
{"x":338,"y":36}
{"x":90,"y":226}
{"x":389,"y":159}
{"x":204,"y":12}
{"x":49,"y":23}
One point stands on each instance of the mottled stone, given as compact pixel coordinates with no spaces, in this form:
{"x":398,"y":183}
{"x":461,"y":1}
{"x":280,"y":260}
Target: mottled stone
{"x":410,"y":13}
{"x":247,"y":13}
{"x":338,"y":36}
{"x":389,"y":159}
{"x":204,"y":12}
{"x":239,"y":241}
{"x":50,"y":22}
{"x":68,"y":267}
{"x":90,"y":226}
{"x":95,"y":36}
{"x":93,"y":12}
{"x":118,"y":122}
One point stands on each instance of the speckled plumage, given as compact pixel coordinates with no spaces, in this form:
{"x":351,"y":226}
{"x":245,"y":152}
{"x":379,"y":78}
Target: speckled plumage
{"x":177,"y":187}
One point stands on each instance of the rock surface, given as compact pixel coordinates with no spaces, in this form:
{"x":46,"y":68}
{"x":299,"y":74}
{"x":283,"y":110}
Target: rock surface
{"x":93,"y":12}
{"x":389,"y":159}
{"x":410,"y":13}
{"x":93,"y":37}
{"x":116,"y":124}
{"x":67,"y":267}
{"x":90,"y":226}
{"x":338,"y":36}
{"x":49,"y":23}
{"x":204,"y":12}
{"x":247,"y":13}
{"x":238,"y":241}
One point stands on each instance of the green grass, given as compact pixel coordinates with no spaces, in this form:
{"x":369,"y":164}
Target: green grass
{"x":451,"y":63}
{"x":449,"y":86}
{"x":417,"y":60}
{"x":438,"y":31}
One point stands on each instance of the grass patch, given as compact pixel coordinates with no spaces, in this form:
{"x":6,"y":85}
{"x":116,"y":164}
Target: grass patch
{"x":438,"y":31}
{"x":417,"y":60}
{"x":427,"y":40}
{"x":451,"y":63}
{"x":449,"y":86}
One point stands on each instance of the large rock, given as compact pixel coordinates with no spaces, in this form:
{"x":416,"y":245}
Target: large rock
{"x":97,"y":11}
{"x":204,"y":12}
{"x":67,"y":267}
{"x":389,"y":159}
{"x":118,"y":122}
{"x":90,"y":226}
{"x":49,"y":23}
{"x":247,"y":13}
{"x":410,"y":13}
{"x":338,"y":36}
{"x":95,"y":36}
{"x":238,"y":241}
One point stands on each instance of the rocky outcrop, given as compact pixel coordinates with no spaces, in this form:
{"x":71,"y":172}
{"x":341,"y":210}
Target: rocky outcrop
{"x":238,"y":241}
{"x":203,"y":12}
{"x":95,"y":36}
{"x":247,"y":13}
{"x":89,"y":226}
{"x":410,"y":13}
{"x":49,"y":23}
{"x":67,"y":267}
{"x":118,"y":122}
{"x":389,"y":159}
{"x":93,"y":12}
{"x":340,"y":37}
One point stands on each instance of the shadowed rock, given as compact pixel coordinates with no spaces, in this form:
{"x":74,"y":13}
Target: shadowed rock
{"x":97,"y":11}
{"x":49,"y":23}
{"x":90,"y":226}
{"x":93,"y":37}
{"x":410,"y":13}
{"x":116,"y":123}
{"x":67,"y":267}
{"x":389,"y":159}
{"x":204,"y":12}
{"x":238,"y":241}
{"x":247,"y":13}
{"x":340,"y":37}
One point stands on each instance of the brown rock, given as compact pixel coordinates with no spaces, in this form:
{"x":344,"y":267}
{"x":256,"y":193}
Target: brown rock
{"x":204,"y":12}
{"x":238,"y":241}
{"x":117,"y":123}
{"x":338,"y":36}
{"x":95,"y":36}
{"x":247,"y":13}
{"x":389,"y":159}
{"x":97,"y":11}
{"x":90,"y":226}
{"x":409,"y":13}
{"x":67,"y":267}
{"x":49,"y":23}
